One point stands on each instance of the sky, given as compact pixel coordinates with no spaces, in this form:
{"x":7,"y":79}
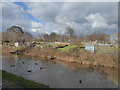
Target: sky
{"x":47,"y":17}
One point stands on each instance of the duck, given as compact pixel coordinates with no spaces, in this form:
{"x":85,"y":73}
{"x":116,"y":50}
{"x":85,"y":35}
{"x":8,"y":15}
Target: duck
{"x":23,"y":62}
{"x":36,"y":63}
{"x":29,"y":71}
{"x":12,"y":66}
{"x":41,"y":68}
{"x":80,"y":81}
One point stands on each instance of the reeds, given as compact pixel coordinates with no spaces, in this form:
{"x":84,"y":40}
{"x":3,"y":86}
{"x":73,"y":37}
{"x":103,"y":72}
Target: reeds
{"x":82,"y":57}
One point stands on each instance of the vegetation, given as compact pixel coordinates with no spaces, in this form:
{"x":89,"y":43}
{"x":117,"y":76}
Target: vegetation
{"x":67,"y":48}
{"x":21,"y":81}
{"x":16,"y":29}
{"x":70,"y":32}
{"x":99,"y":37}
{"x":16,"y":33}
{"x":74,"y":54}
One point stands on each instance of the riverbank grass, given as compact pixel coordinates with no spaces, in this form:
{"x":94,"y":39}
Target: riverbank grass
{"x":21,"y":81}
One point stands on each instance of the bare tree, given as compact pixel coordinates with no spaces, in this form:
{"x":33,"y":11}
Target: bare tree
{"x":104,"y":38}
{"x":81,"y":38}
{"x":53,"y":36}
{"x":27,"y":37}
{"x":99,"y":37}
{"x":46,"y":37}
{"x":70,"y":32}
{"x":92,"y":37}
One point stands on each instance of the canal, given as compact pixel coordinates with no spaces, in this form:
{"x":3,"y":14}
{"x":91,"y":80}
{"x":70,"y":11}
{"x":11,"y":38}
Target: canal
{"x":57,"y":74}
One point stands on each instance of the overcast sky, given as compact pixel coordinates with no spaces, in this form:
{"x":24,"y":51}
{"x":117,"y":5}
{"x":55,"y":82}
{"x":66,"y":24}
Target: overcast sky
{"x":47,"y":17}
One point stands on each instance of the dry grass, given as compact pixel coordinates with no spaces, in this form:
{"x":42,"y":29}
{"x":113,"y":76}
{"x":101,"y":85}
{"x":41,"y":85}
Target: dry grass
{"x":83,"y":57}
{"x":7,"y":49}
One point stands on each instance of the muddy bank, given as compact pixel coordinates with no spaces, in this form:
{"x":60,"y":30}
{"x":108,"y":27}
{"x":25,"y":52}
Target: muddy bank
{"x":82,"y":57}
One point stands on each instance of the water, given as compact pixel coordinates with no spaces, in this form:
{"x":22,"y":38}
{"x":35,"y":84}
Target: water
{"x":57,"y":75}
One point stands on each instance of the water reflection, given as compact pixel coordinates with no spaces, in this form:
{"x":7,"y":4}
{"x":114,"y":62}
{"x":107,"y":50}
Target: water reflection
{"x":59,"y":74}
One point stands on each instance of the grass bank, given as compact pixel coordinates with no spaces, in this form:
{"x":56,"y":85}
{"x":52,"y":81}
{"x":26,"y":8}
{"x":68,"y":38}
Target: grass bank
{"x":21,"y":81}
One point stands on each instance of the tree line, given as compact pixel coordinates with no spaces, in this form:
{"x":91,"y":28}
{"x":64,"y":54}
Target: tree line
{"x":16,"y":33}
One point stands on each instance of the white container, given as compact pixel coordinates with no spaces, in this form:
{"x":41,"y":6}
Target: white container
{"x":16,"y":44}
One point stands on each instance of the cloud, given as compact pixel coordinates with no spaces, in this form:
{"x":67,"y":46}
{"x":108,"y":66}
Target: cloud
{"x":98,"y":21}
{"x":36,"y":25}
{"x":38,"y":28}
{"x":44,"y":11}
{"x":12,"y":14}
{"x":83,"y":17}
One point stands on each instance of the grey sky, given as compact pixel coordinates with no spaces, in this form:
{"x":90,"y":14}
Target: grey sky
{"x":84,"y":17}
